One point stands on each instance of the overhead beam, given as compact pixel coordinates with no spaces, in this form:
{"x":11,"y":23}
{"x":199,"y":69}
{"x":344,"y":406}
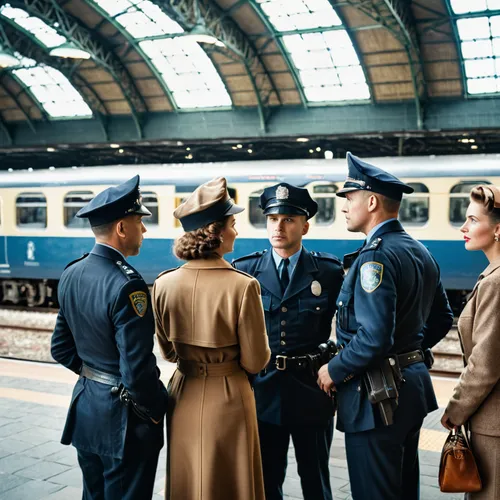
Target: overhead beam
{"x":102,"y":54}
{"x":238,"y":47}
{"x":243,"y":125}
{"x":397,"y":18}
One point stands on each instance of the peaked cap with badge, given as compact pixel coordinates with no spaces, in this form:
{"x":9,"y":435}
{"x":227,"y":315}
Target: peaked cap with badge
{"x":115,"y":203}
{"x":283,"y":198}
{"x":365,"y":177}
{"x":208,"y":203}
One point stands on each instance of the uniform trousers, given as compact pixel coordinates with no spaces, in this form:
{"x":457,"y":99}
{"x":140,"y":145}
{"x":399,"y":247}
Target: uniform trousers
{"x":383,"y":462}
{"x":108,"y":478}
{"x":312,"y":450}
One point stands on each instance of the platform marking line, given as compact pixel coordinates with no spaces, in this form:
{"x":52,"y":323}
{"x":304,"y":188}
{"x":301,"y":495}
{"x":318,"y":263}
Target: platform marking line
{"x":44,"y":398}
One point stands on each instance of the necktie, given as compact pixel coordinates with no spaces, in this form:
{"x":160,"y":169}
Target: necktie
{"x":285,"y":277}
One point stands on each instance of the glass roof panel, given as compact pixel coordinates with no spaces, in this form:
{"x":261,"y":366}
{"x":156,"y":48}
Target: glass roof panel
{"x":184,"y":66}
{"x":479,"y":44}
{"x":321,"y":56}
{"x":52,"y":90}
{"x":44,"y":33}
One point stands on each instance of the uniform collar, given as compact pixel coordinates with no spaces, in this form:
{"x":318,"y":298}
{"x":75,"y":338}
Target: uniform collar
{"x":491,"y":267}
{"x":108,"y":252}
{"x":293,"y":260}
{"x":389,"y":226}
{"x":212,"y":263}
{"x":376,"y":228}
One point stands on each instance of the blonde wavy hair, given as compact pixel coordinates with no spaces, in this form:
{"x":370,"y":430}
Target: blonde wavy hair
{"x":482,"y":194}
{"x":201,"y":243}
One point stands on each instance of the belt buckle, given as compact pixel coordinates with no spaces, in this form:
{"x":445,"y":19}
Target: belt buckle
{"x":281,"y":362}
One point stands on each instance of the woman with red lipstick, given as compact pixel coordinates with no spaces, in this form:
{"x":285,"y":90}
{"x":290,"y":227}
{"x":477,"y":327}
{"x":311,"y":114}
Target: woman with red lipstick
{"x":476,"y":398}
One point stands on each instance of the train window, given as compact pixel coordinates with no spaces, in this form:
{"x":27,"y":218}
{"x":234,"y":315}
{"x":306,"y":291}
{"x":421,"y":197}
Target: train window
{"x":324,"y":195}
{"x":459,"y":200}
{"x":73,"y":201}
{"x":31,"y":210}
{"x":150,"y":200}
{"x":257,"y":218}
{"x":414,"y":209}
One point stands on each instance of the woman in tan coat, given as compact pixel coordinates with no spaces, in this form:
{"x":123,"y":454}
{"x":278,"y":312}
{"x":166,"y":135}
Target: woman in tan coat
{"x":477,"y":396}
{"x":209,"y":319}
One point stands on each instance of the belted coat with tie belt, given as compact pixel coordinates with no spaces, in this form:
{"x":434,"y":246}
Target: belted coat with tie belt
{"x":297,"y":321}
{"x":209,"y":319}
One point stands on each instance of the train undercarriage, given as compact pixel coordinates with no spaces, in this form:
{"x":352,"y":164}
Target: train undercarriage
{"x":28,"y":293}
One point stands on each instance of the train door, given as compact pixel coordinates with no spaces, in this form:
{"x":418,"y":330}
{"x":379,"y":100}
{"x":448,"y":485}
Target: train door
{"x":4,"y":260}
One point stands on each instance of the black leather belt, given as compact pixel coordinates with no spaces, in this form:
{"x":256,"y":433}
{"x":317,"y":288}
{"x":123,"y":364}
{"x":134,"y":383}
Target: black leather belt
{"x":283,"y":363}
{"x":99,"y":376}
{"x":408,"y":358}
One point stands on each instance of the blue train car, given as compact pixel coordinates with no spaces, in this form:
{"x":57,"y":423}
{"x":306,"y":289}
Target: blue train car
{"x":39,"y":233}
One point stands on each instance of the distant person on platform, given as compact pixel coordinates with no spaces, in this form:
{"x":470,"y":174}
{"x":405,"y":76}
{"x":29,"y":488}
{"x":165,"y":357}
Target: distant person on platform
{"x":476,"y":398}
{"x":392,"y":308}
{"x":209,"y":320}
{"x":104,"y":333}
{"x":299,"y":289}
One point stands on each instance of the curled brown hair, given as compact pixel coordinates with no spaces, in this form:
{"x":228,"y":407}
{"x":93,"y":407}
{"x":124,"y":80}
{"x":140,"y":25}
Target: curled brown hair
{"x":485,"y":196}
{"x":200,"y":243}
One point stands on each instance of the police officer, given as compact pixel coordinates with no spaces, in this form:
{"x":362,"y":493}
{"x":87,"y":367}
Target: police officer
{"x":104,"y":332}
{"x":299,"y":289}
{"x":392,"y":308}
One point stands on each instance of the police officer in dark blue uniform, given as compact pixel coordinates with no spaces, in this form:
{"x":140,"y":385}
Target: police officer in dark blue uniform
{"x":104,"y":332}
{"x":299,"y":289}
{"x":392,"y":308}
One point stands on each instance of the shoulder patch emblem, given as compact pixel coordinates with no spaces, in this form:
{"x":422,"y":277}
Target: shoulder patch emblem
{"x":139,"y":302}
{"x":371,"y":274}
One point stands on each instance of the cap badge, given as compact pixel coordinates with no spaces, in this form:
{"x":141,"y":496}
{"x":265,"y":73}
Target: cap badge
{"x":316,"y":288}
{"x":282,"y":193}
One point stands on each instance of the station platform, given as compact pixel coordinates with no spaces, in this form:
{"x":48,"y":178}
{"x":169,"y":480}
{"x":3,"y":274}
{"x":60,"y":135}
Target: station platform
{"x":34,"y":399}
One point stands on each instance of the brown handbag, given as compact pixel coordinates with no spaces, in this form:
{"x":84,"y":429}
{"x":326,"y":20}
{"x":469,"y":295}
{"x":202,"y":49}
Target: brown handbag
{"x":458,"y":470}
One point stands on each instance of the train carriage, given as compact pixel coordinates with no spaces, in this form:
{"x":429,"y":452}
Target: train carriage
{"x":39,"y":233}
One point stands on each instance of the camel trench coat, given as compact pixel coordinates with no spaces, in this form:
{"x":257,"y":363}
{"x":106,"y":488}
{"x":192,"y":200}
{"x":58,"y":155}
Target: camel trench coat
{"x":476,"y":397}
{"x":207,"y":312}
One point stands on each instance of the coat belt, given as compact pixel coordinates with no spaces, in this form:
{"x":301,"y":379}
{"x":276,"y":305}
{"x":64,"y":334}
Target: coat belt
{"x":99,"y":376}
{"x":195,"y":369}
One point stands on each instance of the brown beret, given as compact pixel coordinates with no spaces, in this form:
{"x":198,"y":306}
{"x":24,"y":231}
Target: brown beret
{"x":208,"y":203}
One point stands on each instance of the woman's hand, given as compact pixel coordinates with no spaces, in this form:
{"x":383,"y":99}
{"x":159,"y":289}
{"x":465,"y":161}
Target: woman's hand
{"x":446,"y":423}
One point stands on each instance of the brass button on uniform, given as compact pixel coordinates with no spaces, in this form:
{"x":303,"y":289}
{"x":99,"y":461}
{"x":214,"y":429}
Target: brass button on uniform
{"x":340,"y":303}
{"x":318,"y":308}
{"x":283,"y":342}
{"x":283,"y":322}
{"x":284,"y":309}
{"x":283,"y":334}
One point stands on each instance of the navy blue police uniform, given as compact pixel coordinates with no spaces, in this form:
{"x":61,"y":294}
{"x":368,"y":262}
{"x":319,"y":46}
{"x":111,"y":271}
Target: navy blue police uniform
{"x":392,"y":304}
{"x":104,"y":332}
{"x":298,"y":319}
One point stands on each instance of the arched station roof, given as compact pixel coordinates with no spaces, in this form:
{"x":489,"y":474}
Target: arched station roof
{"x":396,"y":76}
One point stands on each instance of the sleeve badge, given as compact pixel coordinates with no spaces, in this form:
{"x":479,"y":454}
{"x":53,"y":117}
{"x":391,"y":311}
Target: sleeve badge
{"x":371,"y":276}
{"x":139,"y":302}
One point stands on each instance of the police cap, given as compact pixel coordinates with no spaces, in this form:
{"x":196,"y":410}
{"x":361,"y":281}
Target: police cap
{"x":365,"y":177}
{"x":208,"y":203}
{"x":283,"y":198}
{"x":114,"y":203}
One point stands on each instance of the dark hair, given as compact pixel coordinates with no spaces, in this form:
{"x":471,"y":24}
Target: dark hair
{"x":103,"y":230}
{"x":483,"y":195}
{"x":389,"y":204}
{"x":200,"y":243}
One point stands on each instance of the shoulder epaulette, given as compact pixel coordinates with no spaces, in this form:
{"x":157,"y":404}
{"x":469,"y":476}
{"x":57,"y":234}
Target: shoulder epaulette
{"x":249,"y":256}
{"x":242,"y":272}
{"x":76,"y":260}
{"x":373,"y":245}
{"x":167,"y":271}
{"x":129,"y":272}
{"x":326,"y":256}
